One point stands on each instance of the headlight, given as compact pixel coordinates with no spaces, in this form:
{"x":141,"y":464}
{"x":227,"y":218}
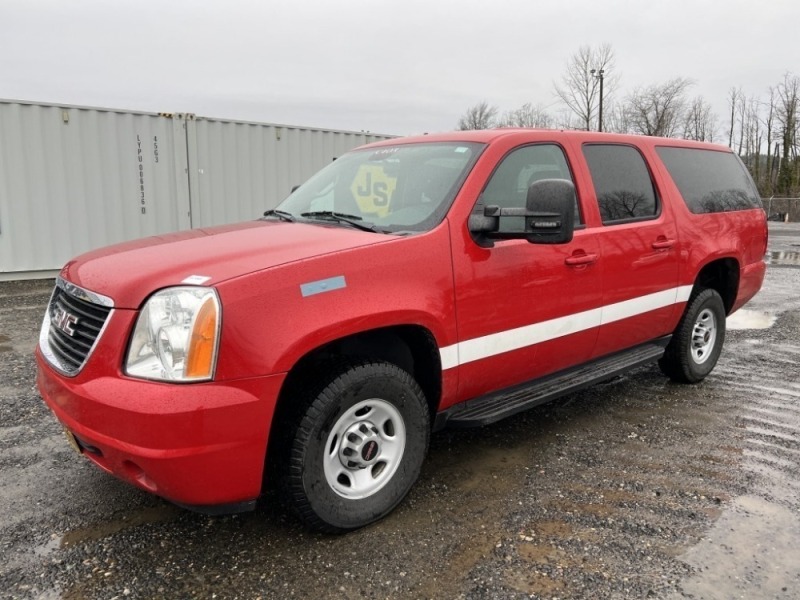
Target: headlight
{"x":176,"y":336}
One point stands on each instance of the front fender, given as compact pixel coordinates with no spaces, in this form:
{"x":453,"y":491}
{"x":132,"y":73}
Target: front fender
{"x":269,"y":320}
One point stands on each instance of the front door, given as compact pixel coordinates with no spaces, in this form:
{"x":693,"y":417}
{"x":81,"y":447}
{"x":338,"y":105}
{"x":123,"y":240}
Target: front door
{"x":523,"y":310}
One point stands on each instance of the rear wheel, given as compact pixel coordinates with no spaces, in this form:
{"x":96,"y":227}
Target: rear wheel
{"x":358,"y":447}
{"x":697,"y":342}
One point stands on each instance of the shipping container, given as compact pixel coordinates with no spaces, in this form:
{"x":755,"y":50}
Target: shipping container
{"x":73,"y":178}
{"x":241,"y":169}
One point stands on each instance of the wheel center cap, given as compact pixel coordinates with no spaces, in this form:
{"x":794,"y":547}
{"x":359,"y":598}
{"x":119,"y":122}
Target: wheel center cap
{"x":360,"y":446}
{"x":369,"y":450}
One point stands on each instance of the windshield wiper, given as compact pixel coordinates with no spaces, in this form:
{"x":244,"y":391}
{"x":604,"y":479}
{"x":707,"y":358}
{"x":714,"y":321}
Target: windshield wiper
{"x":281,"y":214}
{"x":329,"y":215}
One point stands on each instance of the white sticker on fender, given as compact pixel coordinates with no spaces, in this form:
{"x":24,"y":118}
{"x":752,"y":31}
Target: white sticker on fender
{"x":196,"y":279}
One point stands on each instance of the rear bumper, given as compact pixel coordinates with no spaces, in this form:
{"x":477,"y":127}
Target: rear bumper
{"x":199,"y":445}
{"x":751,"y":278}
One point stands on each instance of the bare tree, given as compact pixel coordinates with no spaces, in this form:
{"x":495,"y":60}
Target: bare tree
{"x":580,"y":89}
{"x":751,"y":136}
{"x":566,"y":119}
{"x":769,"y":180}
{"x":741,"y":112}
{"x":528,"y":115}
{"x":616,"y":118}
{"x":733,"y":100}
{"x":659,"y":109}
{"x":479,"y":116}
{"x":700,"y":122}
{"x":788,"y":99}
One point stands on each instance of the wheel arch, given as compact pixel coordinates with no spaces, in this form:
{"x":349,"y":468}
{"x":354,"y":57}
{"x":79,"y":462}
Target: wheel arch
{"x":412,"y":348}
{"x":721,"y":275}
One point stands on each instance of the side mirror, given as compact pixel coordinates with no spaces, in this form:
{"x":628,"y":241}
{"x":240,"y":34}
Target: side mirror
{"x":549,"y":215}
{"x":551,"y":211}
{"x":485,"y":224}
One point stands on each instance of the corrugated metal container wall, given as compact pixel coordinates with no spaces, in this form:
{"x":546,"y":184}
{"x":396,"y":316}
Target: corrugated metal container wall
{"x":240,"y":169}
{"x":74,"y":178}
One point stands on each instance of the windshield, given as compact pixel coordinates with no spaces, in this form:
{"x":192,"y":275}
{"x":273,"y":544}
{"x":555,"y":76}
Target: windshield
{"x":402,"y":188}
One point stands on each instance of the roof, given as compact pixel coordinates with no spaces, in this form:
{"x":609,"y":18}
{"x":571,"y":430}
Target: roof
{"x":487,"y":136}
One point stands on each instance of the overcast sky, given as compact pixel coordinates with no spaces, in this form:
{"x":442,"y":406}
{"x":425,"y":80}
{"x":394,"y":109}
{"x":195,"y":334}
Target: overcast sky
{"x":396,"y":66}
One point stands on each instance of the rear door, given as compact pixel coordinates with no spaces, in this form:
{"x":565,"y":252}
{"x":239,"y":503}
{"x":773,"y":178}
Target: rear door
{"x":639,"y":248}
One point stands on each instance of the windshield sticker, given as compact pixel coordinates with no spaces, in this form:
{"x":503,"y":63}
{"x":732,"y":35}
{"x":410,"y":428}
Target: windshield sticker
{"x":322,"y":286}
{"x":196,"y":279}
{"x":383,"y":153}
{"x":373,"y":190}
{"x":461,"y":149}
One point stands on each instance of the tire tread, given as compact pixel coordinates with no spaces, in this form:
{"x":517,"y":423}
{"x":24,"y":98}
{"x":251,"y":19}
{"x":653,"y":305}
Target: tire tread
{"x":676,"y":362}
{"x":314,"y":396}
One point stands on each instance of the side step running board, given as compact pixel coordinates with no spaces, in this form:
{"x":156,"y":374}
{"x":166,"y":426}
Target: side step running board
{"x":499,"y":405}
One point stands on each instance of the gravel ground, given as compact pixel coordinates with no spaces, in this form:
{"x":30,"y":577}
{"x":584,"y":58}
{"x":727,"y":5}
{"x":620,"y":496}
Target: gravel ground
{"x":637,"y":488}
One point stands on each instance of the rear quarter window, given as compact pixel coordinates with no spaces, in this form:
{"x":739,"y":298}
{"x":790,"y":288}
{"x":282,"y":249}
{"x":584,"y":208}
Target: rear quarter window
{"x":710,"y":181}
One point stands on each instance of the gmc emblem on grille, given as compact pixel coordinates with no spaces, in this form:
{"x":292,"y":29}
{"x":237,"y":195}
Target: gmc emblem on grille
{"x":64,"y":321}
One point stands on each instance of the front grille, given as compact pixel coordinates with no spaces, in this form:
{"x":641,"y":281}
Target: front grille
{"x":72,"y":327}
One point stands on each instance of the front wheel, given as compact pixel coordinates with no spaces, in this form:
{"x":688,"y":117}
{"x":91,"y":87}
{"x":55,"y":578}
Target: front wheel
{"x":697,"y":342}
{"x":358,"y":448}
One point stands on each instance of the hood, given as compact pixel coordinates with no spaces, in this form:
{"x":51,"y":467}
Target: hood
{"x":131,"y":271}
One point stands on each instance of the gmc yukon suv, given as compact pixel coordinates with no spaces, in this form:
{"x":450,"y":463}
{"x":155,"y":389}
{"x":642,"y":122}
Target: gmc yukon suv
{"x":413,"y":284}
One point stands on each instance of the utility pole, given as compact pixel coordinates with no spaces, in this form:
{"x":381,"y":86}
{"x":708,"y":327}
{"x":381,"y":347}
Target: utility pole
{"x":599,"y":75}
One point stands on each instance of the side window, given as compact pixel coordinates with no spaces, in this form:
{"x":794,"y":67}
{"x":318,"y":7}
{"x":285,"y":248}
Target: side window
{"x":622,"y":182}
{"x":710,"y":180}
{"x":508,"y":186}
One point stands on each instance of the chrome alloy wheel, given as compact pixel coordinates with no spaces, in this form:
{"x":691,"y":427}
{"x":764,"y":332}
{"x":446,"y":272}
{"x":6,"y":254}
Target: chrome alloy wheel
{"x":704,"y":336}
{"x":364,"y":449}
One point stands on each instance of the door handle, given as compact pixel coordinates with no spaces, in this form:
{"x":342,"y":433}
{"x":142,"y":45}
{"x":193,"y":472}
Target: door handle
{"x":663,"y":244}
{"x":581,"y":259}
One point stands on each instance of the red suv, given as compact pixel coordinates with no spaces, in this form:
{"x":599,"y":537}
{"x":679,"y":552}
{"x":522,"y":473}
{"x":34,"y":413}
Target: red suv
{"x":449,"y":279}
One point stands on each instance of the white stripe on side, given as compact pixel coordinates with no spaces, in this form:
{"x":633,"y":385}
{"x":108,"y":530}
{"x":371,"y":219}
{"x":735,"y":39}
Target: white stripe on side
{"x":684,"y":292}
{"x":521,"y":337}
{"x":514,"y":339}
{"x":449,"y":356}
{"x":636,"y":306}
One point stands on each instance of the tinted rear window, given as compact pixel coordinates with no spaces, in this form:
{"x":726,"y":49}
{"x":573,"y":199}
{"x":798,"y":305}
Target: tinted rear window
{"x":710,"y":181}
{"x":622,"y":182}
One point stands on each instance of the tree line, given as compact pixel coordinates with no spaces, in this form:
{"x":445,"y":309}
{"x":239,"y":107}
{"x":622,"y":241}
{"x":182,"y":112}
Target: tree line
{"x":763,"y":130}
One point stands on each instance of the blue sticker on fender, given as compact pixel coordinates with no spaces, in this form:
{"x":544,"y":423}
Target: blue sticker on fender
{"x":323,"y":285}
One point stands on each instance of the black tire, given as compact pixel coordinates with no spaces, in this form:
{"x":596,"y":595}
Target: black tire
{"x":363,"y":409}
{"x":697,"y":341}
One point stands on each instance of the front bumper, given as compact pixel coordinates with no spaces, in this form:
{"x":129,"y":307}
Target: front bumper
{"x":198,"y":445}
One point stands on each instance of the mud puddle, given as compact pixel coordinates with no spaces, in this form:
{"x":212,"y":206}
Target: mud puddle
{"x":744,"y":554}
{"x":156,"y":514}
{"x":750,"y":319}
{"x":787,"y":258}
